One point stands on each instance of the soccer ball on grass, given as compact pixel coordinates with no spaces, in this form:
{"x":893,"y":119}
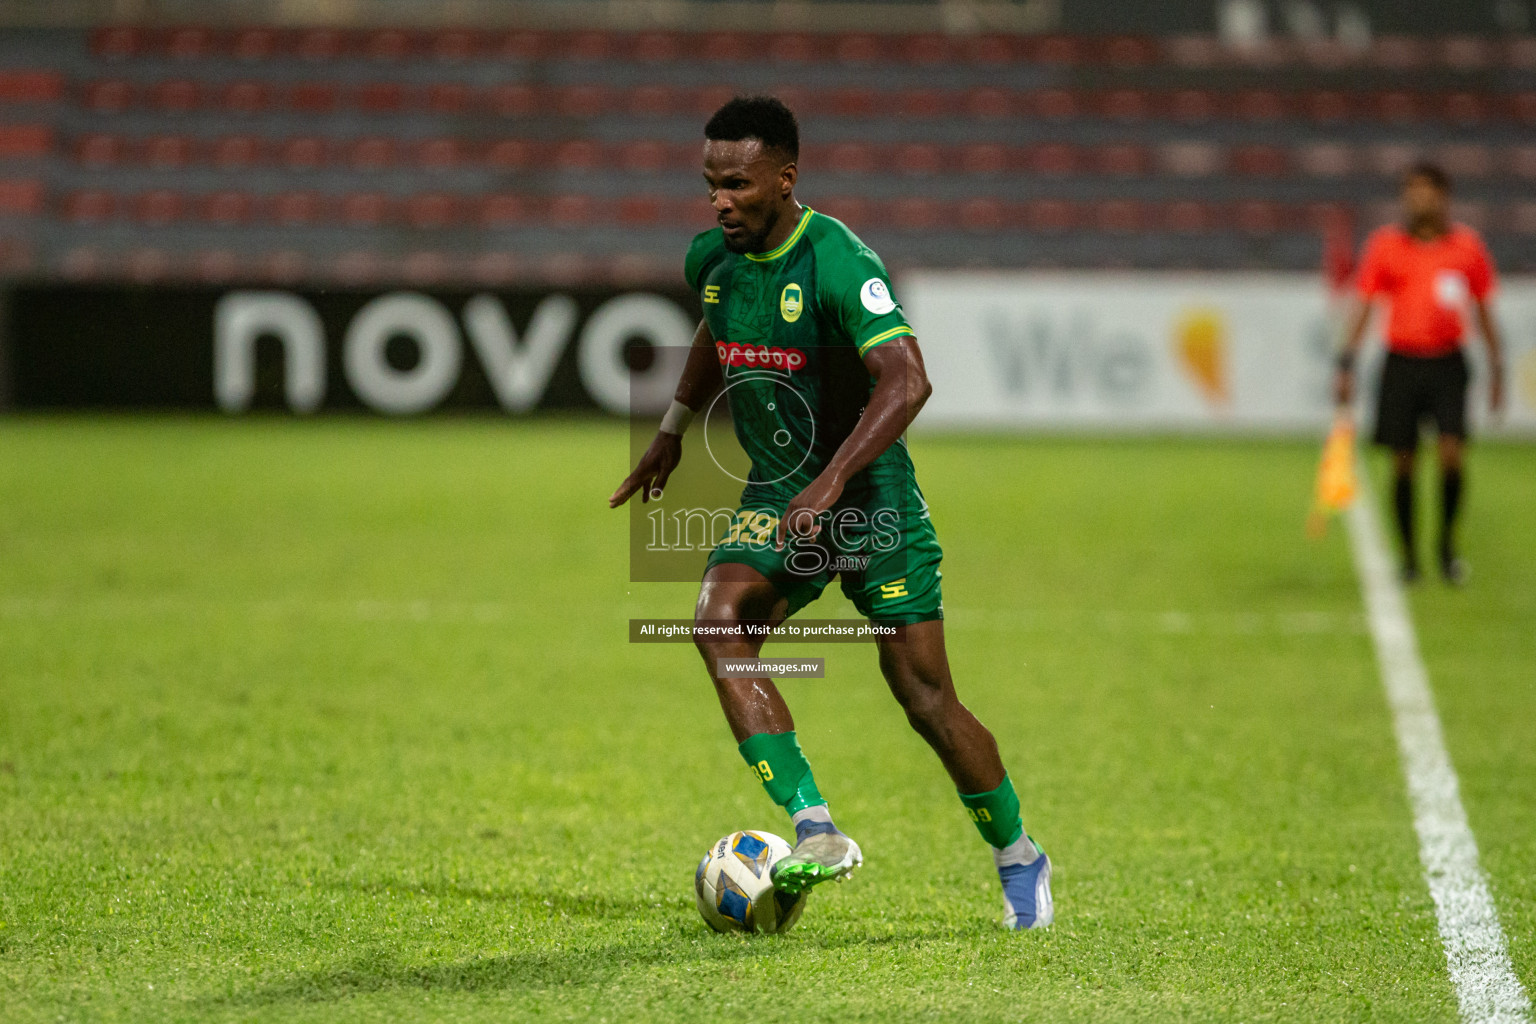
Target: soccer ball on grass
{"x":734,"y":885}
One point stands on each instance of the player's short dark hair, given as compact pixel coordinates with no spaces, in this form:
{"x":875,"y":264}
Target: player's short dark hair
{"x":764,"y":118}
{"x":1430,"y":172}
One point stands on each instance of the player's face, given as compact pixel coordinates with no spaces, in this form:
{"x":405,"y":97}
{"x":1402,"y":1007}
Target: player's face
{"x":1423,"y":201}
{"x":750,"y":190}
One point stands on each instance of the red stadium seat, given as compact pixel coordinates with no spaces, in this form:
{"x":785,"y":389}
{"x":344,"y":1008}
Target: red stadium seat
{"x":31,"y":86}
{"x":189,"y":43}
{"x":853,"y":102}
{"x":522,"y":45}
{"x":1199,"y":52}
{"x":1465,"y":108}
{"x":118,"y":42}
{"x":916,"y":213}
{"x":169,"y":151}
{"x":1471,"y":212}
{"x":1055,"y":159}
{"x":450,"y":98}
{"x":1188,"y":217}
{"x":1122,"y":160}
{"x":147,"y":264}
{"x":1260,"y":105}
{"x":1391,"y":159}
{"x":984,"y":158}
{"x":1119,"y":216}
{"x":246,"y":97}
{"x":1467,"y":53}
{"x":430,"y":210}
{"x":514,"y":100}
{"x":304,"y":152}
{"x":367,"y":209}
{"x":863,"y":48}
{"x":216,"y":265}
{"x":373,"y":153}
{"x":251,"y":44}
{"x":501,"y":210}
{"x":928,"y":49}
{"x":925,"y":103}
{"x":177,"y":96}
{"x":296,"y":209}
{"x":1520,"y":217}
{"x":1127,"y":104}
{"x":380,"y":98}
{"x":852,"y":158}
{"x":1056,"y":104}
{"x":1397,"y":107}
{"x":237,"y":151}
{"x":439,"y":154}
{"x":228,"y":208}
{"x":640,"y":211}
{"x":570,"y":211}
{"x":1327,"y":106}
{"x":388,"y":44}
{"x":652,"y":100}
{"x":984,"y":215}
{"x":1260,"y":161}
{"x":510,"y":154}
{"x":24,"y":141}
{"x":100,"y":150}
{"x":851,"y":210}
{"x":321,"y":44}
{"x":159,"y":206}
{"x":594,"y":45}
{"x":795,"y":48}
{"x":454,"y":45}
{"x":1051,"y":216}
{"x":1259,"y":217}
{"x":1193,"y":105}
{"x":657,"y":47}
{"x":578,"y":155}
{"x":89,"y":206}
{"x":21,"y":198}
{"x":314,"y":97}
{"x":990,"y":103}
{"x":1059,"y":50}
{"x":1401,"y":53}
{"x":585,"y":101}
{"x":919,"y":160}
{"x":645,"y":157}
{"x":109,"y":96}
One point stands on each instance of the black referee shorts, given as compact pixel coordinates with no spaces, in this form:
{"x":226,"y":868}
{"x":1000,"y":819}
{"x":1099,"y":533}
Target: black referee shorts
{"x":1416,"y":388}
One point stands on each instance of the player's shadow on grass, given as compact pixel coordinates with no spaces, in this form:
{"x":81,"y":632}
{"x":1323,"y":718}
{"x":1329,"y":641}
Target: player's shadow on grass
{"x":553,"y":902}
{"x":685,"y":940}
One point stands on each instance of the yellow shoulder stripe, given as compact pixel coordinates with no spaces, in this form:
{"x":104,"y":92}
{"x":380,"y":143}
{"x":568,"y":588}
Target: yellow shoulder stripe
{"x":894,"y":332}
{"x":788,"y":243}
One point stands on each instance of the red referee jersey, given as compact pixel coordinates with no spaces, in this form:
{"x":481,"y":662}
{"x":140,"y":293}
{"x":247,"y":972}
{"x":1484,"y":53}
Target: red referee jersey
{"x":1428,"y":285}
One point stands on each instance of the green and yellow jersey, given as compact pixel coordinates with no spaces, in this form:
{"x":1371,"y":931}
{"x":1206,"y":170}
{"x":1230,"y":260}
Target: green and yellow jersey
{"x":790,"y":328}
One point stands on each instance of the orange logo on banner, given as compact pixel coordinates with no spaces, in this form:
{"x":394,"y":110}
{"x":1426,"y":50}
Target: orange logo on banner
{"x":1201,"y":339}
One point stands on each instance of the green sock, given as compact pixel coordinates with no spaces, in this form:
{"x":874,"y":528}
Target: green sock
{"x":775,"y":758}
{"x":996,"y":813}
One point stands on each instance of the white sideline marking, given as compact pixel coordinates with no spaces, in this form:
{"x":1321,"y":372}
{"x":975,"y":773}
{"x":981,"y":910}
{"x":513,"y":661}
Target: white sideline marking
{"x":1486,"y":987}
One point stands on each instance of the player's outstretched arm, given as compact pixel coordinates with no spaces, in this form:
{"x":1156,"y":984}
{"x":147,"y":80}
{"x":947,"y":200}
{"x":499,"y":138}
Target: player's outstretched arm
{"x":700,"y":379}
{"x":901,"y":388}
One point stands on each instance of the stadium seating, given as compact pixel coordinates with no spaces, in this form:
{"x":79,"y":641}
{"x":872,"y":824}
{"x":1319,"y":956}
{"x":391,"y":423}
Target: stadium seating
{"x":210,"y":154}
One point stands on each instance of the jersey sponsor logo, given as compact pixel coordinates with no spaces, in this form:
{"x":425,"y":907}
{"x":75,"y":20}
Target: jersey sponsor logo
{"x":876,"y":297}
{"x":733,"y":353}
{"x":711,"y":293}
{"x":791,"y":302}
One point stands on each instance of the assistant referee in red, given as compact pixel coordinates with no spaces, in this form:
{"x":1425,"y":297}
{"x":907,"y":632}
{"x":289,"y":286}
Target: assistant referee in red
{"x":1430,"y":271}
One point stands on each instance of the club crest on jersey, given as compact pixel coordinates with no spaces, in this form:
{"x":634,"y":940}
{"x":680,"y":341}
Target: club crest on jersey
{"x":791,"y":302}
{"x":766,"y":357}
{"x":876,"y":297}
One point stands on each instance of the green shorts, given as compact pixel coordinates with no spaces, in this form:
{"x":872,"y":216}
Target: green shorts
{"x":888,"y":561}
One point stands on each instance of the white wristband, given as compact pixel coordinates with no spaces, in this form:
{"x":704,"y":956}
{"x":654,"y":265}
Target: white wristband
{"x":677,"y":418}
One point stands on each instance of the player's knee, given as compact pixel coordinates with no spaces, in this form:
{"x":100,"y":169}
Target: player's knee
{"x":928,"y":708}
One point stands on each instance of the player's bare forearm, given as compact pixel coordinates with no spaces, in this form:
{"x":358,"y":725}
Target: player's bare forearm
{"x":1344,"y":380}
{"x":1494,"y":342}
{"x":700,"y":379}
{"x":701,"y":373}
{"x":901,"y":388}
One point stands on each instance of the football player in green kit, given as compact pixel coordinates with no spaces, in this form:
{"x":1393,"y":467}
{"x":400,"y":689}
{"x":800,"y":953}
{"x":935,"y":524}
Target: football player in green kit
{"x":823,"y":375}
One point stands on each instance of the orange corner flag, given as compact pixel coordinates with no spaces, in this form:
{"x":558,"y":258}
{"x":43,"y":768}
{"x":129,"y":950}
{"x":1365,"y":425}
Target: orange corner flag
{"x":1335,"y":475}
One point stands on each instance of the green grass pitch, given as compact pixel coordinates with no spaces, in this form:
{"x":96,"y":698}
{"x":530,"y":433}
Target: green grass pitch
{"x":336,"y":721}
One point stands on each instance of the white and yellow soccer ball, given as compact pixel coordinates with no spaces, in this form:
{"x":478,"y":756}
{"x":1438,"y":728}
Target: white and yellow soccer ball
{"x":734,"y":885}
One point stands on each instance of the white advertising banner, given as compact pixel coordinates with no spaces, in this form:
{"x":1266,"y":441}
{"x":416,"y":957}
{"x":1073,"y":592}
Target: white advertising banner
{"x":1161,"y":351}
